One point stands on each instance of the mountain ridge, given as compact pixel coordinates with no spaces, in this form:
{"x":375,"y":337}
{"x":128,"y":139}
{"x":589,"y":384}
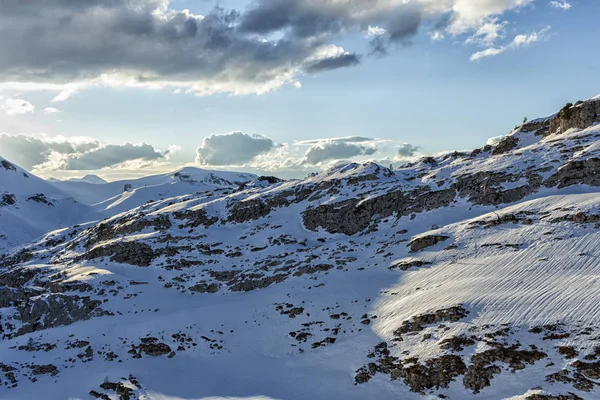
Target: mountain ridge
{"x":470,"y":275}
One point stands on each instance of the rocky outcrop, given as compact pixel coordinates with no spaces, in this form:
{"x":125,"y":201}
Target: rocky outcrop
{"x":353,"y":216}
{"x":423,"y":242}
{"x":55,"y":310}
{"x":585,"y":172}
{"x":483,"y":368}
{"x":418,"y":322}
{"x":581,"y":115}
{"x":505,"y":145}
{"x":134,"y":253}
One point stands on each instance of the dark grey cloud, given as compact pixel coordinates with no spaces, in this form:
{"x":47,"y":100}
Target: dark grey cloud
{"x":111,"y":155}
{"x":407,"y":150}
{"x":326,"y":64}
{"x":310,"y":18}
{"x":73,"y":154}
{"x":28,"y":151}
{"x":234,"y":148}
{"x":62,"y":41}
{"x":336,"y":150}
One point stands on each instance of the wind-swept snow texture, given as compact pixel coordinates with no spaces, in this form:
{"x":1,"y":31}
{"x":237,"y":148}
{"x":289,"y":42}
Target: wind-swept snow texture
{"x":465,"y":276}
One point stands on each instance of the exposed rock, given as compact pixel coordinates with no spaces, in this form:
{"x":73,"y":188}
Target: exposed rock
{"x":196,"y":218}
{"x":405,"y":265}
{"x":134,"y":253}
{"x":418,"y":322}
{"x":482,"y":367}
{"x":44,"y":369}
{"x":423,"y":242}
{"x":578,"y":116}
{"x":505,"y":145}
{"x":585,"y":172}
{"x":550,"y":397}
{"x":56,"y":310}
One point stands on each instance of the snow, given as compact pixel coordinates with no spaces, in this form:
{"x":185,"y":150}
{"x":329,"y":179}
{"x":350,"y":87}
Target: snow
{"x":519,"y":266}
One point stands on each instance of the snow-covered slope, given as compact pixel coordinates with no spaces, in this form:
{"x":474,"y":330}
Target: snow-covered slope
{"x":25,"y":198}
{"x":30,"y":206}
{"x":464,"y":276}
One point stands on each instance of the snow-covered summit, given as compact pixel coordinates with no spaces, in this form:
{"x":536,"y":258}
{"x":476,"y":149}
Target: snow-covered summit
{"x":94,"y":179}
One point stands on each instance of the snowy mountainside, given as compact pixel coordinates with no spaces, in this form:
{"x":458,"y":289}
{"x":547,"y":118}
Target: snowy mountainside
{"x":25,"y":198}
{"x":464,"y":276}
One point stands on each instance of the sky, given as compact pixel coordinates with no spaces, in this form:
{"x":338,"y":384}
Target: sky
{"x":126,"y":88}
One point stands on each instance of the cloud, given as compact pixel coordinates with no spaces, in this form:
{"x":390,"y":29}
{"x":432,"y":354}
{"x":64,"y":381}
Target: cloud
{"x":326,"y":64}
{"x":51,"y":110}
{"x":29,"y":152}
{"x":336,"y":150}
{"x":562,"y":5}
{"x":519,"y":41}
{"x":235,"y":148}
{"x":346,"y":139}
{"x":16,"y":106}
{"x":67,"y":46}
{"x":111,"y":155}
{"x":488,"y":33}
{"x":75,"y":153}
{"x":407,"y":150}
{"x":65,"y":94}
{"x":147,"y":43}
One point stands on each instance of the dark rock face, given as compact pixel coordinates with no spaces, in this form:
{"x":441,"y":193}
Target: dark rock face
{"x":434,"y":373}
{"x":44,"y":369}
{"x":424,"y":242}
{"x":550,"y":397}
{"x":406,"y":265}
{"x":352,"y":216}
{"x":8,"y":199}
{"x":40,"y":198}
{"x":418,"y":322}
{"x":576,"y":172}
{"x":540,"y":127}
{"x":7,"y":166}
{"x":271,"y":180}
{"x":204,"y":287}
{"x":578,"y":116}
{"x":482,"y":368}
{"x":505,"y":145}
{"x":249,"y":210}
{"x":56,"y":310}
{"x":196,"y":218}
{"x":128,"y":225}
{"x":134,"y":253}
{"x":248,"y":285}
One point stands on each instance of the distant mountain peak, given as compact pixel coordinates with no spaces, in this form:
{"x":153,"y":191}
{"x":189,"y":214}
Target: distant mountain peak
{"x":90,"y":178}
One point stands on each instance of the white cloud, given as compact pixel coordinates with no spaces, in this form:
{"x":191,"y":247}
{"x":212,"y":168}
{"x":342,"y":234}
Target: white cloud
{"x":470,"y":15}
{"x":51,"y":110}
{"x":488,"y":33}
{"x":65,"y":95}
{"x":336,"y":150}
{"x":235,"y":148}
{"x":562,"y":4}
{"x":519,"y":41}
{"x":16,"y":106}
{"x":436,"y":36}
{"x":374,"y":31}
